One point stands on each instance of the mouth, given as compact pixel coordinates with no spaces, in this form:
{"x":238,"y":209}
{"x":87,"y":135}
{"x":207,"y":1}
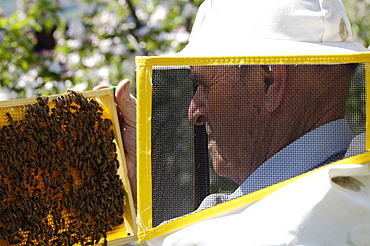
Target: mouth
{"x":209,"y":131}
{"x":212,"y":145}
{"x":216,"y":155}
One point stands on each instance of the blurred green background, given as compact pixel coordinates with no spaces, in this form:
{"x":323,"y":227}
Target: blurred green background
{"x":47,"y":46}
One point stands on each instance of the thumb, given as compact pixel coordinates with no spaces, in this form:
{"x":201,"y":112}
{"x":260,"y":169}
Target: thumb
{"x":126,"y":103}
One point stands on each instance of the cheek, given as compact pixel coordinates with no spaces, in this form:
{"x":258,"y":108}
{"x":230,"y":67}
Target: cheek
{"x":221,"y":108}
{"x":228,"y":116}
{"x":235,"y":118}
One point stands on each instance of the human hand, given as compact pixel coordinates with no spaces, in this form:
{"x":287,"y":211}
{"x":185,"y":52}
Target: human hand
{"x":126,"y":110}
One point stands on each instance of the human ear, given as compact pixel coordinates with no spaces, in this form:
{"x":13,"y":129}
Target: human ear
{"x":275,"y":84}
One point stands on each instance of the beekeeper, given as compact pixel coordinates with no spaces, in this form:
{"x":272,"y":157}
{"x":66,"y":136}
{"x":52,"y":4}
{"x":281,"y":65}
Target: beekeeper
{"x":286,"y":121}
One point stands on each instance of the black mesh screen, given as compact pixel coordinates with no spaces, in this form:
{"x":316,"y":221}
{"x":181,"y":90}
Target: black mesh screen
{"x":213,"y":127}
{"x":172,"y":144}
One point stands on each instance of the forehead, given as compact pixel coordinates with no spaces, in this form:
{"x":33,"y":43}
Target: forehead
{"x":227,"y":75}
{"x":218,"y":69}
{"x":209,"y":73}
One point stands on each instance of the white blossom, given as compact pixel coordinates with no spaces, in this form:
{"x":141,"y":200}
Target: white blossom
{"x":55,"y":67}
{"x":95,"y":40}
{"x":80,"y":87}
{"x":103,"y":72}
{"x":73,"y":58}
{"x":49,"y":85}
{"x":28,"y":80}
{"x":74,"y":44}
{"x":76,"y":29}
{"x":93,"y":60}
{"x":189,"y":10}
{"x":105,"y":45}
{"x":12,"y":68}
{"x":158,"y":17}
{"x":7,"y":94}
{"x":63,"y":86}
{"x":80,"y":73}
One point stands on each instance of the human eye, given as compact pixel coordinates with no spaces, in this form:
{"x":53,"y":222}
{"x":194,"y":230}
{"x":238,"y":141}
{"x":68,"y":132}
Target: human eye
{"x":196,"y":80}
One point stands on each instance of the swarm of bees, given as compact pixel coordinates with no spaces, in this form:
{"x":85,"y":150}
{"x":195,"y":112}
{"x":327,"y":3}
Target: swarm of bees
{"x":58,"y":174}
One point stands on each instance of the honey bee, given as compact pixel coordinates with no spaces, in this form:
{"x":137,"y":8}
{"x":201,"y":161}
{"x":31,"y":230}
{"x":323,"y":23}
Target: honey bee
{"x":42,"y":100}
{"x":9,"y":117}
{"x":61,"y":137}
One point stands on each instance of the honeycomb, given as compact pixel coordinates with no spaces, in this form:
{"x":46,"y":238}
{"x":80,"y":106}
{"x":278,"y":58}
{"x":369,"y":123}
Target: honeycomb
{"x":58,"y":173}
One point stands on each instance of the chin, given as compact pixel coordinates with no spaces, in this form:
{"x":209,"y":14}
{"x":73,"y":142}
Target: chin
{"x":224,"y":170}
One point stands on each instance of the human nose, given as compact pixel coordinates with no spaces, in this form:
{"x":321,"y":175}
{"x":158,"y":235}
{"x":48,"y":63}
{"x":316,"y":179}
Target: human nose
{"x":197,"y":108}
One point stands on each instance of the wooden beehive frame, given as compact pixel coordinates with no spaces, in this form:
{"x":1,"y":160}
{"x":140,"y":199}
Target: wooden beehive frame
{"x":127,"y":231}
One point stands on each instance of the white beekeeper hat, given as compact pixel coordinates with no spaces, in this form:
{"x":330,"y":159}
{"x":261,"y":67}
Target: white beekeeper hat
{"x":271,"y":27}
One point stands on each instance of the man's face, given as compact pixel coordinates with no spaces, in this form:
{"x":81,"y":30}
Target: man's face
{"x":229,"y":101}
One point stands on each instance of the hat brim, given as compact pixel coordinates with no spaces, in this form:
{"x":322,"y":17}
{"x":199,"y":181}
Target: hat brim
{"x":267,"y":47}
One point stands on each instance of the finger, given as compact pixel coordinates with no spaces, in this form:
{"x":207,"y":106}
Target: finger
{"x":126,"y":103}
{"x":99,"y":87}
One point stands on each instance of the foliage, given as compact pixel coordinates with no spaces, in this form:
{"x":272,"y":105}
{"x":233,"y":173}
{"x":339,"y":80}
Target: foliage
{"x":358,"y":13}
{"x":43,"y":53}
